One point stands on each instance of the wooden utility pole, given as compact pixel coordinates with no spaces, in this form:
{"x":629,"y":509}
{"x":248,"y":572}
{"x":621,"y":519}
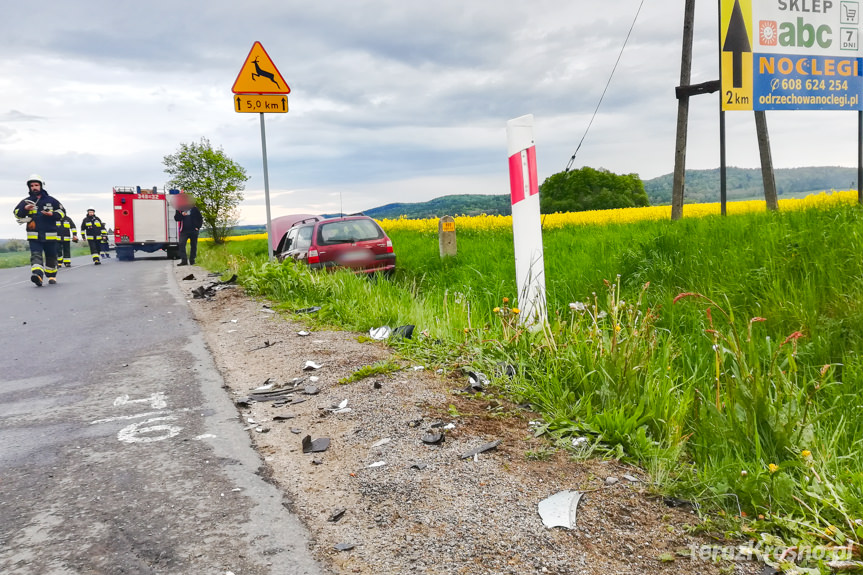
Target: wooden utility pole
{"x":767,"y":175}
{"x":682,"y":113}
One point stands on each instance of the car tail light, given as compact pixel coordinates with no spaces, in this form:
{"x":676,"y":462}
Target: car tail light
{"x":314,"y":258}
{"x":389,"y":246}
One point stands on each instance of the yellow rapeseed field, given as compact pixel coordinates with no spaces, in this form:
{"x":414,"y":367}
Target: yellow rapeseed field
{"x":621,"y":216}
{"x":602,"y":217}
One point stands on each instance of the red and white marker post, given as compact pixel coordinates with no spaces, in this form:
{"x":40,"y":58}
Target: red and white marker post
{"x":526,"y":222}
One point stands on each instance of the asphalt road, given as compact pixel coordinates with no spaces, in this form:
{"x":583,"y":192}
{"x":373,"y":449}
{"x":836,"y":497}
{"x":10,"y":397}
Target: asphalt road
{"x":119,"y":450}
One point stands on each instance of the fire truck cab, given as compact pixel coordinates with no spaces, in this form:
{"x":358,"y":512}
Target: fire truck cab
{"x":143,"y":222}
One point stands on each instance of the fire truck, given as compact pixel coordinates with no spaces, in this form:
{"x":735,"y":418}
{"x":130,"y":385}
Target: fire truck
{"x":143,"y":221}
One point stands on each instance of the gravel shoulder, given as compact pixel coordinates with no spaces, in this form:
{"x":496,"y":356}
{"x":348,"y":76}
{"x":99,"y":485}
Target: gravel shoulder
{"x":452,"y":515}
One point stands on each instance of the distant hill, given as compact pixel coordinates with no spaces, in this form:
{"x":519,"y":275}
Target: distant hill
{"x":702,"y":186}
{"x":461,"y":204}
{"x":745,"y":183}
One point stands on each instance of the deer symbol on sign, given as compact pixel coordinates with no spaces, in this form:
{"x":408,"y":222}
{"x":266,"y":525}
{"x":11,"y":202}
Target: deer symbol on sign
{"x":263,"y":73}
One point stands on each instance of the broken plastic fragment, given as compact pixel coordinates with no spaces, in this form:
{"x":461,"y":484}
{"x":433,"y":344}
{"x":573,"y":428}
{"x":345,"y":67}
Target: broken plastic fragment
{"x":310,"y":366}
{"x":316,"y":446}
{"x":432,"y":438}
{"x":559,"y":510}
{"x":262,"y":429}
{"x":343,"y":410}
{"x":314,"y":379}
{"x":418,"y":367}
{"x":377,"y":464}
{"x":344,"y":546}
{"x":312,"y":309}
{"x":380,"y":333}
{"x":477,"y":381}
{"x":304,"y":333}
{"x":336,"y":515}
{"x":482,"y":449}
{"x":403,"y":332}
{"x":383,"y":441}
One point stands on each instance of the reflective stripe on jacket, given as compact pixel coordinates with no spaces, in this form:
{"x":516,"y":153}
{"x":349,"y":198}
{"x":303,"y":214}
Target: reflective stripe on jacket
{"x":41,"y":227}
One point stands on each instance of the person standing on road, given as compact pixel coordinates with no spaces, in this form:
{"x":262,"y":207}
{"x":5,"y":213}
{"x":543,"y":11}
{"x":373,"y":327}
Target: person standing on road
{"x":40,"y":212}
{"x":191,"y":221}
{"x":91,"y":229}
{"x":67,"y":233}
{"x":104,"y":243}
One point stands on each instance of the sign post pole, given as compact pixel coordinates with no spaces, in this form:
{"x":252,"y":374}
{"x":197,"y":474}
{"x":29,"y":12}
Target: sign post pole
{"x":266,"y":187}
{"x":526,"y":222}
{"x":860,"y":156}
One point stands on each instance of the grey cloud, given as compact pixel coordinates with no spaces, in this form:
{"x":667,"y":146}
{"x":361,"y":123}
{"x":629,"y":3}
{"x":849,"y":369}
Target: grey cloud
{"x":16,"y":116}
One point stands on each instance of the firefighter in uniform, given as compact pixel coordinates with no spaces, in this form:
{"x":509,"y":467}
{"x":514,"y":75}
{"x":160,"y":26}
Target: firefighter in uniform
{"x":104,"y":243}
{"x":67,"y":233}
{"x":92,"y":230}
{"x":40,"y":212}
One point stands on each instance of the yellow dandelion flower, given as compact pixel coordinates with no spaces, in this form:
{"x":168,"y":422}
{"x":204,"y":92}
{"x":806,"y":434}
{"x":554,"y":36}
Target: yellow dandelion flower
{"x":617,"y":327}
{"x":506,"y":300}
{"x":831,"y":531}
{"x":773,"y":468}
{"x":516,"y":310}
{"x":496,"y":310}
{"x":806,"y":454}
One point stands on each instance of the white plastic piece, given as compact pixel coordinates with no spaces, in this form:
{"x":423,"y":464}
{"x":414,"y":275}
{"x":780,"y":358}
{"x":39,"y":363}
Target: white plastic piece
{"x":559,"y":510}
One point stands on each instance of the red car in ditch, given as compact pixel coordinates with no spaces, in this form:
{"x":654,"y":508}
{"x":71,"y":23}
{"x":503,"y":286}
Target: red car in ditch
{"x":354,"y":242}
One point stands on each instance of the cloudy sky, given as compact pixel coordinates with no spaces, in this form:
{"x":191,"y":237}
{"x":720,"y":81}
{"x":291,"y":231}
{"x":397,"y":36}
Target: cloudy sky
{"x":390,"y":100}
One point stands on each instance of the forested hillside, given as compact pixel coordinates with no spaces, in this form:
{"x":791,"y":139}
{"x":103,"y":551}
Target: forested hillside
{"x":746,"y":184}
{"x":462,"y":205}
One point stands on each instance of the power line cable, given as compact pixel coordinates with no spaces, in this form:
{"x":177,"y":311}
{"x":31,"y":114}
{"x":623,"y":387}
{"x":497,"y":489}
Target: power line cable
{"x":607,"y":84}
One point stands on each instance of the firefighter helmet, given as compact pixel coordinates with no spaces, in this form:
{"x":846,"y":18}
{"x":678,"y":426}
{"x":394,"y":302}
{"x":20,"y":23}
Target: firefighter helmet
{"x":36,"y":178}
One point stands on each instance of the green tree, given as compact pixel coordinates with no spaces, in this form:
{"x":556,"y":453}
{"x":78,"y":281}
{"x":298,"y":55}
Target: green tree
{"x":590,"y":189}
{"x":213,"y":179}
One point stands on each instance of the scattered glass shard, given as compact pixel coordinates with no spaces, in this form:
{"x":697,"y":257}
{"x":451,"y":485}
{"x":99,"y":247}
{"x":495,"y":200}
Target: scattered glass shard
{"x":377,"y":464}
{"x":560,"y":509}
{"x":310,"y":366}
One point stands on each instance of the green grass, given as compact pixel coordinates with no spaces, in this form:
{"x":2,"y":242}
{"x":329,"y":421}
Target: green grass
{"x":745,"y":392}
{"x":19,"y":259}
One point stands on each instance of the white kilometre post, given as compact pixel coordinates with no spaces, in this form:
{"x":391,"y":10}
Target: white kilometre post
{"x":526,"y":223}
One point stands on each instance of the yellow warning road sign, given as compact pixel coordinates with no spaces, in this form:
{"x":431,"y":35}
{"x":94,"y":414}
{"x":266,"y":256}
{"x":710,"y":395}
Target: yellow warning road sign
{"x":259,"y":75}
{"x":261,"y":103}
{"x":736,"y":50}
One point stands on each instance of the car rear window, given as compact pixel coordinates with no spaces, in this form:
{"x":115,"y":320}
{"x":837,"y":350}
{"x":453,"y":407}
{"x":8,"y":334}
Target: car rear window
{"x":348,"y":231}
